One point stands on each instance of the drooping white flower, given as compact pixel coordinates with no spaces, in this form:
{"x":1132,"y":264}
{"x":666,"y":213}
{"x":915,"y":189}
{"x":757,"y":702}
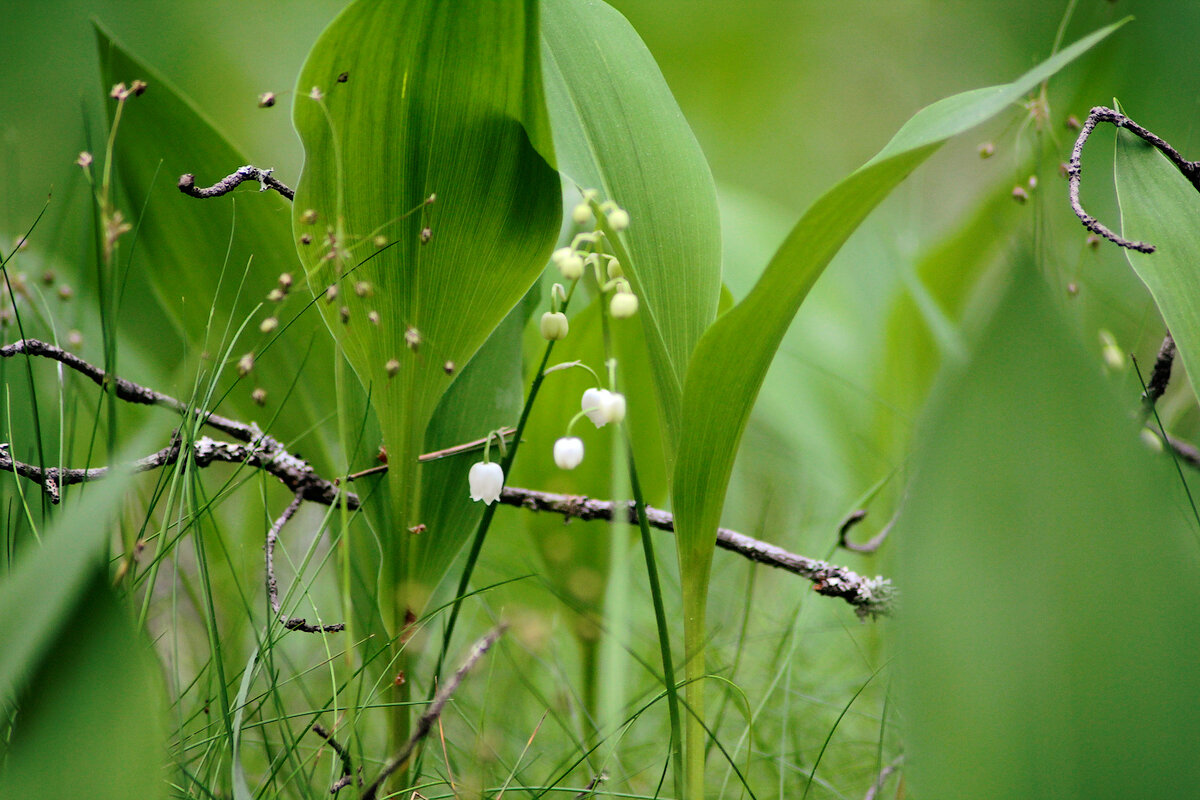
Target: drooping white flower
{"x":602,"y":406}
{"x":486,"y":480}
{"x":568,"y":452}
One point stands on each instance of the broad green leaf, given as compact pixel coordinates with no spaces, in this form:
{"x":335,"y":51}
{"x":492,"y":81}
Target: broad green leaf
{"x":488,"y":395}
{"x":618,"y":129}
{"x":1041,"y":651}
{"x":399,"y":101}
{"x":183,"y":244}
{"x":728,"y":367}
{"x":91,"y":719}
{"x":1160,"y":206}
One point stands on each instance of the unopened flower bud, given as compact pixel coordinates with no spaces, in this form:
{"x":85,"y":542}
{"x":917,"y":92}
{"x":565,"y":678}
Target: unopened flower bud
{"x":987,"y":150}
{"x":1032,"y":182}
{"x":373,"y":317}
{"x":331,"y":293}
{"x":392,"y":367}
{"x":245,"y":364}
{"x":426,"y":235}
{"x":412,"y":338}
{"x":554,"y":326}
{"x":74,"y":340}
{"x":614,"y":269}
{"x":618,"y":220}
{"x":259,"y":396}
{"x":581,"y":214}
{"x":266,"y":100}
{"x":380,"y":241}
{"x":309,"y":217}
{"x":316,"y":94}
{"x":571,"y":267}
{"x":623,"y":305}
{"x":1113,"y":356}
{"x":363,"y":289}
{"x":275,"y":295}
{"x":269,"y":324}
{"x":448,"y":368}
{"x":568,"y":452}
{"x":65,"y":292}
{"x":344,"y":313}
{"x":1019,"y":194}
{"x":285,"y":281}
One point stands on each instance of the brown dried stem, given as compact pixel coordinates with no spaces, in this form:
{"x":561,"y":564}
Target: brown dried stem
{"x":431,"y":714}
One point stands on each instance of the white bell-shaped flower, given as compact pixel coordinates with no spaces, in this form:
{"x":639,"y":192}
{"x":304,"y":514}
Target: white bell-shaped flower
{"x":602,"y":406}
{"x":568,"y":452}
{"x":486,"y":480}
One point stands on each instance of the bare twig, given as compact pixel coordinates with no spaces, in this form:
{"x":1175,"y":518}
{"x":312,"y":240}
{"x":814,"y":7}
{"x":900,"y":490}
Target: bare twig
{"x":1160,"y":376}
{"x":869,"y":546}
{"x":187,"y":183}
{"x":431,"y":714}
{"x":869,"y":596}
{"x":1189,"y":169}
{"x":292,"y":623}
{"x":347,"y":763}
{"x":127,"y":390}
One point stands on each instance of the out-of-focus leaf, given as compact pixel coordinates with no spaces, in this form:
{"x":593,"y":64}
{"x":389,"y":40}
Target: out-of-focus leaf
{"x":618,"y":129}
{"x":1160,"y":206}
{"x":183,"y":243}
{"x":399,"y":101}
{"x":1050,"y":572}
{"x":91,"y":704}
{"x":728,"y":367}
{"x":946,"y":275}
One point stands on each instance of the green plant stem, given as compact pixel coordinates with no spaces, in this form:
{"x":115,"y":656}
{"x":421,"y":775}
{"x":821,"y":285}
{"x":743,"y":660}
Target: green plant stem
{"x":660,"y":619}
{"x":489,"y":511}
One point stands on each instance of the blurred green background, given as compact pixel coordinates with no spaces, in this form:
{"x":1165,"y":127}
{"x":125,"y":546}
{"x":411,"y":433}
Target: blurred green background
{"x":786,"y":98}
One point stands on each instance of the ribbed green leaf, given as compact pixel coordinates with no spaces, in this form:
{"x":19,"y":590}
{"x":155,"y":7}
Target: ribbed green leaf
{"x":1160,"y":206}
{"x":729,"y":364}
{"x":1049,"y":639}
{"x":618,"y":129}
{"x":414,"y":99}
{"x":183,"y":243}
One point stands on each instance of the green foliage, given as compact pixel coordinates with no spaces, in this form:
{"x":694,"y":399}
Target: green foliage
{"x":1160,"y":206}
{"x":618,"y":129}
{"x":457,"y":91}
{"x":1050,"y":570}
{"x":731,"y":361}
{"x":82,"y":683}
{"x":211,"y":265}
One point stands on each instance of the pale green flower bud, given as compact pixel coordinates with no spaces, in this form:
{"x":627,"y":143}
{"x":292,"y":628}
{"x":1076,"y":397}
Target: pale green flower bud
{"x":554,"y":326}
{"x":623,"y":305}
